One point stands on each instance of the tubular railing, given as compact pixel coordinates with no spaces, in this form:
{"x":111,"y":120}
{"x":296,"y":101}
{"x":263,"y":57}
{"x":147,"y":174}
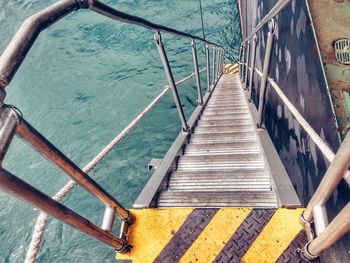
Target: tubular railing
{"x":315,"y":215}
{"x":12,"y":123}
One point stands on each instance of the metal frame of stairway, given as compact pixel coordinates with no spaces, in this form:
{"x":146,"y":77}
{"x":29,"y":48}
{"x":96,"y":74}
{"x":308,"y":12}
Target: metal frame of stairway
{"x":225,"y":161}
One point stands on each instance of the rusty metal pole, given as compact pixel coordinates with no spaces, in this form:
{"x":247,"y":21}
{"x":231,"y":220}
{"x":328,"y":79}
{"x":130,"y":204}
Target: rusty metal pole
{"x":46,"y":148}
{"x":24,"y":191}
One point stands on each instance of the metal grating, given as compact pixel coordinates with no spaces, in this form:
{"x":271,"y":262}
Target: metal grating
{"x":223,"y":164}
{"x":342,"y":50}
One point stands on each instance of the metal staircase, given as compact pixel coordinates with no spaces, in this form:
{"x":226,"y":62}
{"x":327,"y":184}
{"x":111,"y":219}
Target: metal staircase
{"x":223,"y":164}
{"x":219,"y":159}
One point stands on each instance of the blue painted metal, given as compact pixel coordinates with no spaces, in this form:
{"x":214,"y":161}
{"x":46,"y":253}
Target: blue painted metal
{"x":297,"y":68}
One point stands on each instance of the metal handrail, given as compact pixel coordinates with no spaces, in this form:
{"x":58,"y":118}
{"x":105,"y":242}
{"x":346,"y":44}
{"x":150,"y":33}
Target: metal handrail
{"x":326,"y":233}
{"x":11,"y":124}
{"x":273,"y":12}
{"x":21,"y":43}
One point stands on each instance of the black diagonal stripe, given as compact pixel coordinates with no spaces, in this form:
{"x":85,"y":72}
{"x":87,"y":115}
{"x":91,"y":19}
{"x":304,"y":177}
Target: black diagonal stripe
{"x":186,"y":235}
{"x":244,"y":236}
{"x":291,"y":254}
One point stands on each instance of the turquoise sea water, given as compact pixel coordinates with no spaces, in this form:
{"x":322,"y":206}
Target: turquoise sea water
{"x":83,"y":81}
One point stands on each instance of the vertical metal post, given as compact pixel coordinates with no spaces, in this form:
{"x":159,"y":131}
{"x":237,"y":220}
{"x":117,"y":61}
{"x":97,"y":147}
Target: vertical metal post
{"x":247,"y":65}
{"x":336,"y":229}
{"x":242,"y":59}
{"x":252,"y":65}
{"x":265,"y":73}
{"x":223,"y":61}
{"x":217,"y":64}
{"x":171,"y":80}
{"x":108,"y":219}
{"x":8,"y":124}
{"x":208,"y":66}
{"x":220,"y":64}
{"x":320,"y":218}
{"x":331,"y":179}
{"x":195,"y":62}
{"x":214,"y":59}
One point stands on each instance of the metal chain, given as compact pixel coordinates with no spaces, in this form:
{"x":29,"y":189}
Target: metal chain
{"x":40,"y":225}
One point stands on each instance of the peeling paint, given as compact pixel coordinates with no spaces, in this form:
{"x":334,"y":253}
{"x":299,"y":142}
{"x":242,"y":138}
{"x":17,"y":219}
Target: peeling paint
{"x":330,"y":20}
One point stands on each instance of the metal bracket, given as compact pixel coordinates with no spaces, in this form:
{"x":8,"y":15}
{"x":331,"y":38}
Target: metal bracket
{"x":154,"y":164}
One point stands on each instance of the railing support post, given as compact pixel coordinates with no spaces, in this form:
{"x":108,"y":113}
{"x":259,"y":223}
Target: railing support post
{"x":242,"y":59}
{"x":222,"y":62}
{"x":208,"y":66}
{"x":217,"y":64}
{"x":265,"y":74}
{"x":315,"y":211}
{"x":195,"y":62}
{"x":252,"y":65}
{"x":331,"y":179}
{"x":8,"y":124}
{"x":214,"y":60}
{"x":247,"y":66}
{"x":171,"y":80}
{"x":108,"y":219}
{"x":334,"y":231}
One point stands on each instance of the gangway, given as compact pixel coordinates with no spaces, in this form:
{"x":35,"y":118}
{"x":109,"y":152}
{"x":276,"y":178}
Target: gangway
{"x":220,"y":194}
{"x":223,"y":163}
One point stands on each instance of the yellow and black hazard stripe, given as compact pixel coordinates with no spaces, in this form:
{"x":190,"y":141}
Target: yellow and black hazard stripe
{"x":231,"y":68}
{"x":216,"y":235}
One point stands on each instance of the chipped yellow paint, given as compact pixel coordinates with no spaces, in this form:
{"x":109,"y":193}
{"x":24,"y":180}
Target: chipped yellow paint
{"x":214,"y":237}
{"x":231,"y":68}
{"x":275,"y":237}
{"x":152,"y":230}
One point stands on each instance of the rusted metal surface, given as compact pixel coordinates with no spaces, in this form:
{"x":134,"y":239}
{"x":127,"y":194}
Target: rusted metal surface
{"x":331,"y":22}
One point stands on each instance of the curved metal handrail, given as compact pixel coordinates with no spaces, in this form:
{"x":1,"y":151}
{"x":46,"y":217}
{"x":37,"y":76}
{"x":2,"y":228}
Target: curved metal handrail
{"x":21,"y":43}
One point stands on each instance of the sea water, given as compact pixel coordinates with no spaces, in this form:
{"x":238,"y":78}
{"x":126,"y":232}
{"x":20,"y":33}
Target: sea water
{"x":83,"y":81}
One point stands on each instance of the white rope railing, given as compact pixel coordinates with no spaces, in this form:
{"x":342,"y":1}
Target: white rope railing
{"x":322,"y":145}
{"x":40,"y":225}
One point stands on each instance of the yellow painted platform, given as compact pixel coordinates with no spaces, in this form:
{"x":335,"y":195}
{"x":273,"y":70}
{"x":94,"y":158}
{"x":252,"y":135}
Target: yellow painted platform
{"x":252,"y":235}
